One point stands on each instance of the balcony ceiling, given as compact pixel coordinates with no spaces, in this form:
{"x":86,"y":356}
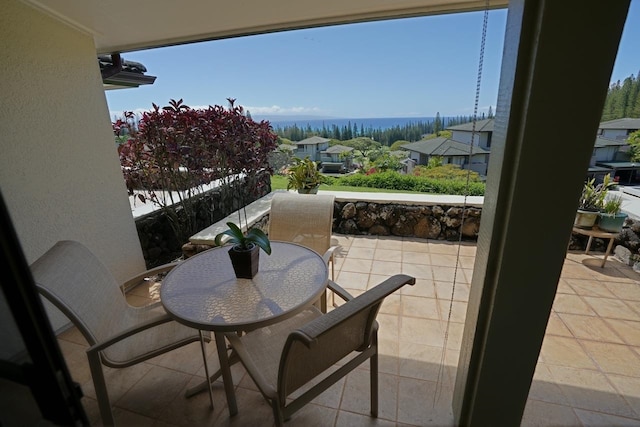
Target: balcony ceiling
{"x":124,"y":25}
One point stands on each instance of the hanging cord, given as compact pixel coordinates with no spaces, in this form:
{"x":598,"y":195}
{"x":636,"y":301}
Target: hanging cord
{"x":464,"y":204}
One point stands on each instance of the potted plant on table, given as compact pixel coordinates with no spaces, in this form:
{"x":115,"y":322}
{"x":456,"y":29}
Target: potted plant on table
{"x":591,"y":202}
{"x":611,"y":218}
{"x":245,"y":252}
{"x":304,"y":176}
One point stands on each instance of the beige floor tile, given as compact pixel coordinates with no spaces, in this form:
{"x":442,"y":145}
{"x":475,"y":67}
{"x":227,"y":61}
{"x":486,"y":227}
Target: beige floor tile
{"x":625,"y":290}
{"x":423,"y":362}
{"x":566,"y":352}
{"x":388,"y":255}
{"x":416,"y":257}
{"x":391,"y":305}
{"x":422,"y":288}
{"x":195,"y":410}
{"x":419,"y":307}
{"x":612,"y":308}
{"x":629,"y":388}
{"x":389,"y":327}
{"x":572,"y":270}
{"x":356,"y":396}
{"x":386,"y":267}
{"x":543,"y":414}
{"x":454,"y":311}
{"x":390,"y":243}
{"x":468,"y":249}
{"x":421,"y":331}
{"x":591,"y":288}
{"x":360,"y":253}
{"x":564,"y":288}
{"x":589,"y":328}
{"x":446,"y":274}
{"x":365,"y":242}
{"x":590,"y":390}
{"x":447,"y":291}
{"x":349,"y":419}
{"x":453,"y":335}
{"x":253,"y":410}
{"x":544,"y":386}
{"x":154,"y":392}
{"x":415,"y":245}
{"x":557,"y":327}
{"x":598,"y":419}
{"x":357,"y":265}
{"x":444,"y":260}
{"x":614,"y":358}
{"x":467,"y":262}
{"x":432,"y":408}
{"x":312,"y":415}
{"x":353,"y":280}
{"x":629,"y":330}
{"x":572,"y":304}
{"x":439,"y":247}
{"x":418,"y":271}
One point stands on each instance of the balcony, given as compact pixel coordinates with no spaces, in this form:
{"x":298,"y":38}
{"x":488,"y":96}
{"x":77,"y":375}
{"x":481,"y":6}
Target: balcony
{"x":588,"y":372}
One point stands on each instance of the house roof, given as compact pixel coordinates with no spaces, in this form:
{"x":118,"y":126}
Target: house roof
{"x":337,"y":149}
{"x":124,"y":25}
{"x":485,"y":125}
{"x":314,"y":140}
{"x":607,"y":142}
{"x":626,"y":123}
{"x":443,"y":147}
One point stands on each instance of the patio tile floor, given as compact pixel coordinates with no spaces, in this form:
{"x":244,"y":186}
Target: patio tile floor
{"x":588,"y":373}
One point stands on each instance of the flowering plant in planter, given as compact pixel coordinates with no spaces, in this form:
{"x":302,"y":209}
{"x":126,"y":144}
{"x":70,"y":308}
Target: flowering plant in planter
{"x":245,"y":251}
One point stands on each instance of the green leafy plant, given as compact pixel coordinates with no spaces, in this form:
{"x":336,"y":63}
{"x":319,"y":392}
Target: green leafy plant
{"x":304,"y":175}
{"x":612,"y":206}
{"x":593,"y":196}
{"x":242,"y":241}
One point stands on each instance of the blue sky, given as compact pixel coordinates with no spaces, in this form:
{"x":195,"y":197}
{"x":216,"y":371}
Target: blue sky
{"x":397,"y":68}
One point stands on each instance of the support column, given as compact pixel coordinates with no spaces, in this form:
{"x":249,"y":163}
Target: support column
{"x":557,"y":62}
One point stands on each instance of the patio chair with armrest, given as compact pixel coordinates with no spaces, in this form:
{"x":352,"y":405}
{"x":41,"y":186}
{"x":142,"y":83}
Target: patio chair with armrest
{"x":119,"y":335}
{"x":285,"y":357}
{"x":306,"y":219}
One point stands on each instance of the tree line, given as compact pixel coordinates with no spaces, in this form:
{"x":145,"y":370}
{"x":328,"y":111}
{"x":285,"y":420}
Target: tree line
{"x":623,"y":100}
{"x":412,"y":131}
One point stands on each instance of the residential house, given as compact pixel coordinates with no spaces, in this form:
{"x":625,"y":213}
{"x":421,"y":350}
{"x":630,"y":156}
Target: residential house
{"x":337,"y":158}
{"x":312,"y":147}
{"x":607,"y":152}
{"x":457,"y":150}
{"x":60,"y":185}
{"x":618,"y":128}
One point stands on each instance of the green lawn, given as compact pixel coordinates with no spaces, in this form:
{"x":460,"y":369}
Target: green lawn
{"x":279,"y":182}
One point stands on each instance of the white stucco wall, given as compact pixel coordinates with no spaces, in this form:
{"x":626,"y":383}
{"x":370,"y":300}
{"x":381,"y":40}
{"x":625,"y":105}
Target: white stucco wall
{"x":59,"y":171}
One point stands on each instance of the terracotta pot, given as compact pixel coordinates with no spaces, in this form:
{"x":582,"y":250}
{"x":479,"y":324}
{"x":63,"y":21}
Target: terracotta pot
{"x":245,"y":262}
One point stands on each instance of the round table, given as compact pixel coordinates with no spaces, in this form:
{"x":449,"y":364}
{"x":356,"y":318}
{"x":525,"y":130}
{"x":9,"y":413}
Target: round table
{"x":204,"y":293}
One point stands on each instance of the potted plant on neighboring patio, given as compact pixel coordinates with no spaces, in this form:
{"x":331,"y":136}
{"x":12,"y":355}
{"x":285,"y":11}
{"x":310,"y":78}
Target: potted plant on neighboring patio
{"x":591,"y":202}
{"x":611,"y":218}
{"x":245,"y":252}
{"x":304,"y":176}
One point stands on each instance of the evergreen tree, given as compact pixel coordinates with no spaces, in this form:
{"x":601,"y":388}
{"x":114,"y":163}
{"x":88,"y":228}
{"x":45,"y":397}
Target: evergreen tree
{"x":437,"y":124}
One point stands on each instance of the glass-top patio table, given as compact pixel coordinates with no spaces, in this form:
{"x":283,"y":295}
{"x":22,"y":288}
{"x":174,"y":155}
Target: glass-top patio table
{"x":204,"y":293}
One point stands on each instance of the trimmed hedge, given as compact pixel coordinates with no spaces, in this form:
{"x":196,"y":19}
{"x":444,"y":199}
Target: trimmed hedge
{"x":396,"y":181}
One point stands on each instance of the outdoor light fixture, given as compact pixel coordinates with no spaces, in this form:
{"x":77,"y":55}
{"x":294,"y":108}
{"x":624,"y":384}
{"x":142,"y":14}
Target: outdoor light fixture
{"x":120,"y":74}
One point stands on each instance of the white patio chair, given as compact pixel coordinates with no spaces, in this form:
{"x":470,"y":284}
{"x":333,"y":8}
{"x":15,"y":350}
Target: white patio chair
{"x":284,"y":357}
{"x":306,"y":219}
{"x":119,"y":335}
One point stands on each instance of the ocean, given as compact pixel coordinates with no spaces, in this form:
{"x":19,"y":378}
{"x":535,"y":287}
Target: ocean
{"x":375,"y":123}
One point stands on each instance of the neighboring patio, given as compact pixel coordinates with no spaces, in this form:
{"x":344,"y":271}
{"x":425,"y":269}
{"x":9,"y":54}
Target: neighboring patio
{"x":588,"y":372}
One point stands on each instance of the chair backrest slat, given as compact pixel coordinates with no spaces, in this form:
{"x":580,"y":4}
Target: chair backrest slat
{"x":78,"y":284}
{"x":303,"y":219}
{"x":324,"y":341}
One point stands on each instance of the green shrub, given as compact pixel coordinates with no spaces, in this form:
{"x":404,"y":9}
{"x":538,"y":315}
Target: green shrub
{"x":396,"y":181}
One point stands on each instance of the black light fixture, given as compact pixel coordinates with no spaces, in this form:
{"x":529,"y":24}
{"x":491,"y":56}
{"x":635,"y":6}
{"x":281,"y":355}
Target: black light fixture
{"x":119,"y":74}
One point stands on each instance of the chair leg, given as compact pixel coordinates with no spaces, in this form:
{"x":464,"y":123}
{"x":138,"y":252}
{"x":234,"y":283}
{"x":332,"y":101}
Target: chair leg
{"x":373,"y":372}
{"x":95,"y":365}
{"x":278,"y":416}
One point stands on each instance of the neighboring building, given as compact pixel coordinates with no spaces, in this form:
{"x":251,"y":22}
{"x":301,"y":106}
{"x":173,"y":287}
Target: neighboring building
{"x":336,"y":158}
{"x":312,"y":147}
{"x":619,"y":128}
{"x":484,"y":132}
{"x":451,"y":152}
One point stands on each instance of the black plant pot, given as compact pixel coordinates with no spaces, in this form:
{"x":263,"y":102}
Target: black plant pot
{"x":245,"y":262}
